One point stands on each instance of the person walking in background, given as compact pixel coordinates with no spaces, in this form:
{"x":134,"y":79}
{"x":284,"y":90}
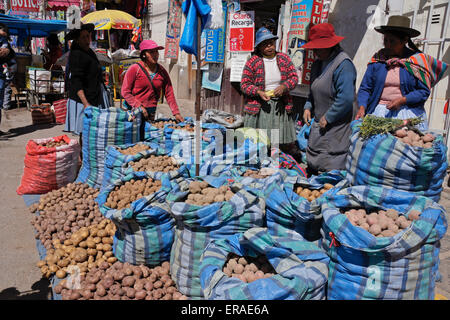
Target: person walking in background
{"x":54,"y":52}
{"x":267,"y":78}
{"x":398,"y":78}
{"x":331,"y":101}
{"x":146,"y":81}
{"x":86,"y":79}
{"x":7,"y":55}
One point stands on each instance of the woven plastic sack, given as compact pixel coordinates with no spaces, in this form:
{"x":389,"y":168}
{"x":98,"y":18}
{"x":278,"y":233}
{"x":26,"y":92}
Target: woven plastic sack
{"x":301,"y":268}
{"x":196,"y":226}
{"x":42,"y":114}
{"x":384,"y":160}
{"x":60,"y":109}
{"x":152,"y":133}
{"x":174,"y":137}
{"x":287,"y":213}
{"x":46,"y":169}
{"x":102,"y":128}
{"x":362,"y":266}
{"x":145,"y":229}
{"x":117,"y":164}
{"x":228,"y":120}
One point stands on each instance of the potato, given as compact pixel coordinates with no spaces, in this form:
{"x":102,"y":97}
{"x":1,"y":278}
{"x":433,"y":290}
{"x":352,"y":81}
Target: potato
{"x":371,"y":220}
{"x":375,"y":229}
{"x":128,"y":281}
{"x":391,"y":213}
{"x":242,"y":261}
{"x":401,"y":133}
{"x":238,"y":269}
{"x":388,"y":233}
{"x":414,"y":215}
{"x":140,"y":295}
{"x":61,"y":274}
{"x":428,"y":138}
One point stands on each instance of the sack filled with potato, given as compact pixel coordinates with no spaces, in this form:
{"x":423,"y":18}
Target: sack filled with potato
{"x":404,"y":160}
{"x":294,"y":207}
{"x":102,"y":128}
{"x":136,"y":204}
{"x":142,"y":156}
{"x":184,"y":133}
{"x":258,"y":266}
{"x":204,"y":213}
{"x":389,"y":250}
{"x":49,"y":164}
{"x":154,"y":130}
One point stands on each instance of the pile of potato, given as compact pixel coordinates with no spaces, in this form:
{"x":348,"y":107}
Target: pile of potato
{"x":64,"y":211}
{"x":188,"y":127}
{"x":161,"y":123}
{"x":155,"y":164}
{"x":121,"y":197}
{"x":87,"y":248}
{"x":123,"y":281}
{"x":130,"y":151}
{"x":312,"y":194}
{"x":415,"y":139}
{"x":201,"y":194}
{"x":381,"y":223}
{"x":53,"y":144}
{"x":248,"y":269}
{"x":258,"y":174}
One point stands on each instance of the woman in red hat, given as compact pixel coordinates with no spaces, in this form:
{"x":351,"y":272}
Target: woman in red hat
{"x":331,"y":101}
{"x":267,"y":78}
{"x":146,"y":81}
{"x":399,"y":77}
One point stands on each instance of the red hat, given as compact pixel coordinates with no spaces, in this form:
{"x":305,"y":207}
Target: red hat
{"x":322,"y":36}
{"x":149,"y":45}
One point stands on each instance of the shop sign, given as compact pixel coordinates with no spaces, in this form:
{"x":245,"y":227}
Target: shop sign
{"x":25,"y":5}
{"x":242,"y":31}
{"x":305,"y":13}
{"x":215,"y":41}
{"x":173,"y":32}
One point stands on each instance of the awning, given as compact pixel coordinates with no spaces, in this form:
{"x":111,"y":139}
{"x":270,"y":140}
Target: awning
{"x":23,"y":27}
{"x":62,"y":5}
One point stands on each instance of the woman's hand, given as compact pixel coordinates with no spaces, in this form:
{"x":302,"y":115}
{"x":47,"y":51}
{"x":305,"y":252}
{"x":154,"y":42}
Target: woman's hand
{"x":323,"y":122}
{"x":361,"y":112}
{"x":397,"y":103}
{"x":179,"y":117}
{"x":263,"y":95}
{"x":307,"y":116}
{"x":144,"y":113}
{"x":280,"y":90}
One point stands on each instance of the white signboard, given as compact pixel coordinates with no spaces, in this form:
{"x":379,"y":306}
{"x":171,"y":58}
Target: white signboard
{"x":237,"y":63}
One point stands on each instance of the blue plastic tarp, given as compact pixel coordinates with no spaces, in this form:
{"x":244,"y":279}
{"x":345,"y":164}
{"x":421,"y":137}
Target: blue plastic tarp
{"x":24,"y":27}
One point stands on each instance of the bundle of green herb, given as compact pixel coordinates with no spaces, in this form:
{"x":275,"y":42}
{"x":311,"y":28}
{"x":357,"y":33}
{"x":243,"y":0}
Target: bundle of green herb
{"x":373,"y":125}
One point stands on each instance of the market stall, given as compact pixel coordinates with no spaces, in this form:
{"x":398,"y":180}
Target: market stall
{"x":41,"y":85}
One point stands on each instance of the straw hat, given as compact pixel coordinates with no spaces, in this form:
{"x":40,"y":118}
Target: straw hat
{"x":398,"y":23}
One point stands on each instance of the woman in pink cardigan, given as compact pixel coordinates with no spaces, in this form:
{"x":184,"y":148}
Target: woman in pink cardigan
{"x":146,"y":81}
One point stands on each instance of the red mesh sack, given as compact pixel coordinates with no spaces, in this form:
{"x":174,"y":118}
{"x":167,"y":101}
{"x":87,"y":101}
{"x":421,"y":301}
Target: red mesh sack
{"x":49,"y":168}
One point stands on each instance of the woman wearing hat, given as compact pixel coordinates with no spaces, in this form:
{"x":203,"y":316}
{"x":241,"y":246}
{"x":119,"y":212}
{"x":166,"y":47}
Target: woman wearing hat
{"x":331,"y":101}
{"x":85,"y":79}
{"x":146,"y":81}
{"x":398,"y":78}
{"x":267,"y":78}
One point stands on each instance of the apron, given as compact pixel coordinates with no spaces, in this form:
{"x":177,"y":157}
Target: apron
{"x":327,"y":148}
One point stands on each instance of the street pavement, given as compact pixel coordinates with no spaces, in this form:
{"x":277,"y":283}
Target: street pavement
{"x":20,"y":278}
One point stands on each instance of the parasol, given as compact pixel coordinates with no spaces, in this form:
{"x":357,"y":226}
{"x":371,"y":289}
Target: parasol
{"x":111,"y":19}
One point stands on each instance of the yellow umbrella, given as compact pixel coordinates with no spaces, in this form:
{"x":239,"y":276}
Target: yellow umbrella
{"x":111,"y":19}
